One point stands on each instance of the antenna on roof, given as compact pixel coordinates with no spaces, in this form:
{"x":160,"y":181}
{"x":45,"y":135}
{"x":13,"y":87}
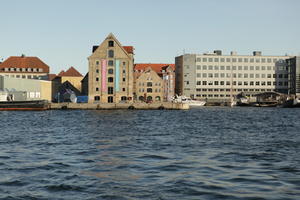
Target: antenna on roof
{"x":23,"y":55}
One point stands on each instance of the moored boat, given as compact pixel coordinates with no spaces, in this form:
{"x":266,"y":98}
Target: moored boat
{"x":189,"y":101}
{"x":36,"y":105}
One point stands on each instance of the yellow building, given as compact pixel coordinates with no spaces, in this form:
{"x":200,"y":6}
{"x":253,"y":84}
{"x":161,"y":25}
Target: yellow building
{"x":72,"y":76}
{"x":110,"y":77}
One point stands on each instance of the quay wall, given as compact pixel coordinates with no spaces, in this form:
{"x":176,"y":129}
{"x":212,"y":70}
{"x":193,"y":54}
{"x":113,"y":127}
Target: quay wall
{"x":113,"y":106}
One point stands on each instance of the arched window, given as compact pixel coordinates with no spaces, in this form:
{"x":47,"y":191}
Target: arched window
{"x":149,"y":98}
{"x":110,"y":53}
{"x":110,"y":71}
{"x":157,"y":98}
{"x":149,"y":90}
{"x":110,"y":79}
{"x":141,"y":98}
{"x":110,"y":99}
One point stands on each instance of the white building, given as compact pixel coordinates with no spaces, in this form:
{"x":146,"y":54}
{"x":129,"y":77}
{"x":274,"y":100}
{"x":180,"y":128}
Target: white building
{"x":217,"y":76}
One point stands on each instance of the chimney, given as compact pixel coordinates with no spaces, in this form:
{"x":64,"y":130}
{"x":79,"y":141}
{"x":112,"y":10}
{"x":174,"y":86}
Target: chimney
{"x":256,"y":53}
{"x":218,"y":52}
{"x":233,"y":53}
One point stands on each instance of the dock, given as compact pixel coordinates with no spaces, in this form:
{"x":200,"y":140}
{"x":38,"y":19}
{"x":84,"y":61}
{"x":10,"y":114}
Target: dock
{"x":118,"y":106}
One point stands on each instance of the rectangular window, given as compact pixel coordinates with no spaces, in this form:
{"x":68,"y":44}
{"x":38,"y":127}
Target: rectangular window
{"x":204,"y":67}
{"x":110,"y":63}
{"x":198,"y":82}
{"x":110,"y":90}
{"x":245,"y":75}
{"x":257,"y":83}
{"x":256,"y":75}
{"x":245,"y":60}
{"x":257,"y":68}
{"x":251,"y":83}
{"x":204,"y":59}
{"x":221,"y":82}
{"x":210,"y":75}
{"x":210,"y":59}
{"x":216,"y":82}
{"x":245,"y":67}
{"x":222,"y":67}
{"x":216,"y":67}
{"x":228,"y":60}
{"x":216,"y":75}
{"x":222,"y":59}
{"x":216,"y":59}
{"x":198,"y":59}
{"x":210,"y":67}
{"x":245,"y":83}
{"x":204,"y":82}
{"x":263,"y":76}
{"x":204,"y":75}
{"x":199,"y":67}
{"x":198,"y":75}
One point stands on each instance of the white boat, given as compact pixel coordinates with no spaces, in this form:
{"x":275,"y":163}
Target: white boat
{"x":189,"y":101}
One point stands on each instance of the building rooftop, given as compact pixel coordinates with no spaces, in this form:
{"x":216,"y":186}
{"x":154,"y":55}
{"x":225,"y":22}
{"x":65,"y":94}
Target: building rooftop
{"x":157,"y":67}
{"x":70,"y":72}
{"x":24,"y":62}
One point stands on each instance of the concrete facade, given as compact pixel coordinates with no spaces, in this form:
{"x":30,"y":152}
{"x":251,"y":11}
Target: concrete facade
{"x":217,"y":76}
{"x":35,"y":89}
{"x":110,"y":72}
{"x":294,"y":75}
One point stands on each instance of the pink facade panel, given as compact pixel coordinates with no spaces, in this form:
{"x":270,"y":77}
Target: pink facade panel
{"x":103,"y":75}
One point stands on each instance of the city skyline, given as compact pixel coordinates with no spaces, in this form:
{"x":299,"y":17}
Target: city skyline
{"x":62,"y":34}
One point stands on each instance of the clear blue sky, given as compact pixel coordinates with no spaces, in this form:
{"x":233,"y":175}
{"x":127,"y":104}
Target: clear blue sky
{"x":62,"y":32}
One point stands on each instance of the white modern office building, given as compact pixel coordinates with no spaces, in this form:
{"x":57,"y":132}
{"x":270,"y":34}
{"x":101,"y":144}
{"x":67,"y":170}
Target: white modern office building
{"x":217,"y":76}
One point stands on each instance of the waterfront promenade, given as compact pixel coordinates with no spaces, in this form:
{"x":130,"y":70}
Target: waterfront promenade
{"x":114,"y":106}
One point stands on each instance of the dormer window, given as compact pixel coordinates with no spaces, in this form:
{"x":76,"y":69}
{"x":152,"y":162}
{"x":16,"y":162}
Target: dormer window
{"x":110,"y":43}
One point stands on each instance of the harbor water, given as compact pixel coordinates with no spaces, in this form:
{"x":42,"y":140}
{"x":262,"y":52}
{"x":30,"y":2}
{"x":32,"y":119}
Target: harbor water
{"x":204,"y":153}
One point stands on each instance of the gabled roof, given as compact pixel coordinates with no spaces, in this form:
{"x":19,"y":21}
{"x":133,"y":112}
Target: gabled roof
{"x":157,"y":67}
{"x":24,"y":62}
{"x":128,"y":49}
{"x":70,"y":72}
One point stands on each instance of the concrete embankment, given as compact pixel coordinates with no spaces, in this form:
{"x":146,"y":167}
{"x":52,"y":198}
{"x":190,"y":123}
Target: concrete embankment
{"x":114,"y":106}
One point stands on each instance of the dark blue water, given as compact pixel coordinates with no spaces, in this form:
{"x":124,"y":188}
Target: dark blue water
{"x":206,"y":153}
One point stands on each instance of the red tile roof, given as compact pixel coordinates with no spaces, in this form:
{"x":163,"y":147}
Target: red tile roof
{"x":156,"y":67}
{"x":24,"y":62}
{"x":129,"y":49}
{"x":70,"y":72}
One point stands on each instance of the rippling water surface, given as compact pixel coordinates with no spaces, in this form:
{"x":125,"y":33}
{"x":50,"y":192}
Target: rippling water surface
{"x":205,"y":153}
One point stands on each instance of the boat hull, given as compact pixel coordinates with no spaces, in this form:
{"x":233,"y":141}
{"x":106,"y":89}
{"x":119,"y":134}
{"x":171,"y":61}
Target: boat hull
{"x":24,"y":105}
